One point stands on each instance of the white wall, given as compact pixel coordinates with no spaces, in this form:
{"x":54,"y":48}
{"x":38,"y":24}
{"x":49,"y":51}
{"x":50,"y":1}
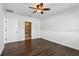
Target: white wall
{"x":18,"y":27}
{"x":35,"y":27}
{"x":1,"y":28}
{"x":62,"y":28}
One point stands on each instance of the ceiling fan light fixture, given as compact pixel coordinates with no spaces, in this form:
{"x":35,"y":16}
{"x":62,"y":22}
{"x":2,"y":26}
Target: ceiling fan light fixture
{"x":39,"y":10}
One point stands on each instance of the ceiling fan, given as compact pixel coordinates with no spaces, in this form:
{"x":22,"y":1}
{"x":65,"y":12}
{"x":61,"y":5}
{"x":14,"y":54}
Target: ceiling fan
{"x":39,"y":8}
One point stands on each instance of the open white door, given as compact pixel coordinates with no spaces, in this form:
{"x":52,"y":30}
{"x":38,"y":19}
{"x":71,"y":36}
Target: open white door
{"x":11,"y":31}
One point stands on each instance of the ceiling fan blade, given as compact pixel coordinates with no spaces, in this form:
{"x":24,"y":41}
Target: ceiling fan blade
{"x":32,"y":7}
{"x":34,"y":11}
{"x":46,"y":9}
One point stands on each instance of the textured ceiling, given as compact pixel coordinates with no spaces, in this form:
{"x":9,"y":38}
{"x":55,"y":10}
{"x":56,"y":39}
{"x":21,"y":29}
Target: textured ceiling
{"x":22,"y":9}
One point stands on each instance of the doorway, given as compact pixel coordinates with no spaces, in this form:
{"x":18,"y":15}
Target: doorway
{"x":28,"y":34}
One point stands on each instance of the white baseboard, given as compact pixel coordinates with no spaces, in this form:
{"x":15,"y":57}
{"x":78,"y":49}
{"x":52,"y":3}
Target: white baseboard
{"x":62,"y":44}
{"x":21,"y":40}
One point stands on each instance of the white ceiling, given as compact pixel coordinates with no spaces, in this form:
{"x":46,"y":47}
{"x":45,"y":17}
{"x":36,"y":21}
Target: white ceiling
{"x":22,"y":9}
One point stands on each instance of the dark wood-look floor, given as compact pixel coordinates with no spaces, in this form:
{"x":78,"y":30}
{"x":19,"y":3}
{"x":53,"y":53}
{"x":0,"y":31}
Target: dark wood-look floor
{"x":39,"y":47}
